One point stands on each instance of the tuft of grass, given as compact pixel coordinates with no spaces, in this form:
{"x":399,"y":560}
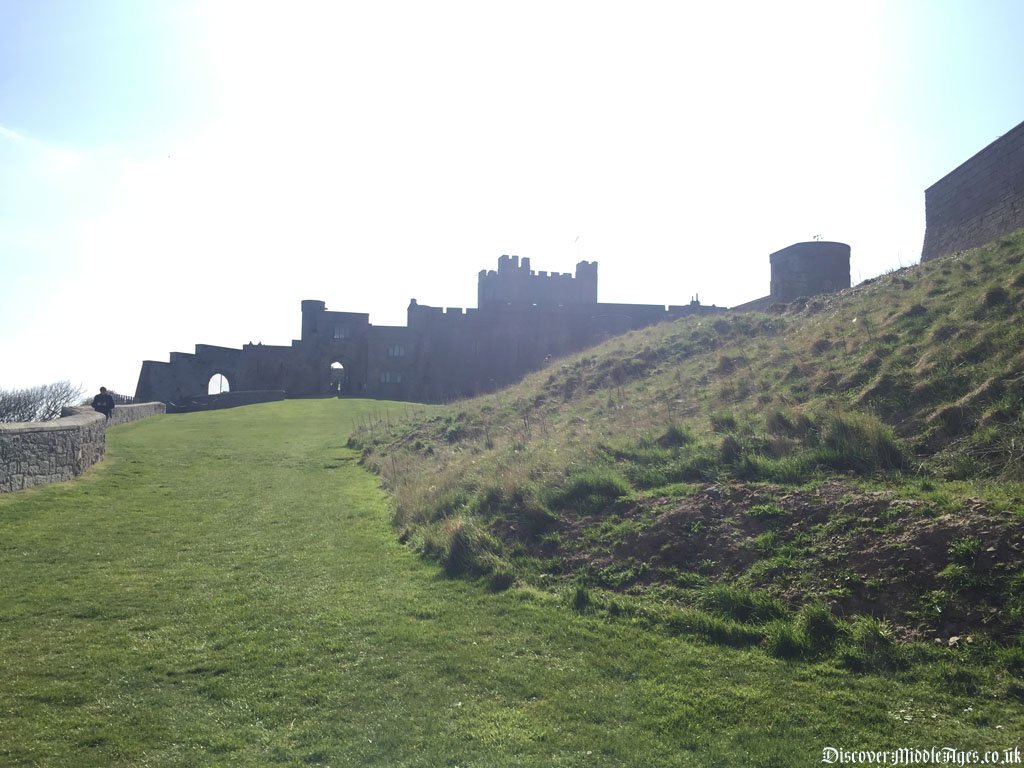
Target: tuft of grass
{"x":581,"y":599}
{"x":767,"y":511}
{"x":815,"y":622}
{"x":462,"y":547}
{"x":520,"y":505}
{"x":1013,"y":660}
{"x":785,"y":640}
{"x":859,"y":442}
{"x":730,"y":450}
{"x":675,"y":436}
{"x":590,"y":492}
{"x":501,"y":579}
{"x":812,"y":633}
{"x":742,"y":604}
{"x":964,"y":551}
{"x":723,"y":631}
{"x":870,"y":647}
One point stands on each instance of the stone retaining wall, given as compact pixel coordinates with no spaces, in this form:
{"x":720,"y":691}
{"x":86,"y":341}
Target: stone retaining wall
{"x":40,"y":452}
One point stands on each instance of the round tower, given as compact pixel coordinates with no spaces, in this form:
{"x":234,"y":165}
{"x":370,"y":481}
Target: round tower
{"x":807,"y":269}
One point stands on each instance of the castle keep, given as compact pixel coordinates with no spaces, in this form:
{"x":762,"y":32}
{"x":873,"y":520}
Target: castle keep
{"x":522,"y":319}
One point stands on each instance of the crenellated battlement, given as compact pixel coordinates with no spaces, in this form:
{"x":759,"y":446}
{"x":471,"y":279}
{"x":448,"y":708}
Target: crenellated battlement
{"x":514,"y":282}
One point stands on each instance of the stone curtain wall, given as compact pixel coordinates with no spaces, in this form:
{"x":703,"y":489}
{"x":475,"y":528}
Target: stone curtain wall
{"x":41,"y":452}
{"x":978,"y":202}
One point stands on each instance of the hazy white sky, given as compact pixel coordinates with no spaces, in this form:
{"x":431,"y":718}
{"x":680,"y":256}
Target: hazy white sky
{"x":175,"y":172}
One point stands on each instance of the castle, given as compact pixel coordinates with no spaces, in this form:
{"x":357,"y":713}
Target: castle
{"x":523,"y":318}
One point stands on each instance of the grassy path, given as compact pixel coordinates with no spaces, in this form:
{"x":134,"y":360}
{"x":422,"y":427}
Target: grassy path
{"x":226,"y":590}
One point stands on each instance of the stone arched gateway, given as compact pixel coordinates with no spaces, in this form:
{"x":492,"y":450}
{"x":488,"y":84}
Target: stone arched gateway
{"x":343,"y":376}
{"x":218,"y":384}
{"x":188,"y":375}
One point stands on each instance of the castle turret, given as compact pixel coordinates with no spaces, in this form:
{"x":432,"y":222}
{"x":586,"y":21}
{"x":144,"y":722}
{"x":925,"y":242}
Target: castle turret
{"x":586,"y":281}
{"x":311,"y":311}
{"x":807,"y":269}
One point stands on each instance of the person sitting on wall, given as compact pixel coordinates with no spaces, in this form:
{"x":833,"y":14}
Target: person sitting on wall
{"x":103,"y":403}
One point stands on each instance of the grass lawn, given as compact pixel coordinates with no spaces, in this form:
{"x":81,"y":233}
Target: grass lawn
{"x":225,"y":589}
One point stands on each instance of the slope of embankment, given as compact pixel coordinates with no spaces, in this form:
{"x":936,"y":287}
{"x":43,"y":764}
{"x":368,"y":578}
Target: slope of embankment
{"x":827,"y":479}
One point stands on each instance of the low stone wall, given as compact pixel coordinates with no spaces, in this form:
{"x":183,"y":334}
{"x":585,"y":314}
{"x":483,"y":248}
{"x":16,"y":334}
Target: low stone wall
{"x":225,"y":400}
{"x":126,"y":413}
{"x":40,"y":452}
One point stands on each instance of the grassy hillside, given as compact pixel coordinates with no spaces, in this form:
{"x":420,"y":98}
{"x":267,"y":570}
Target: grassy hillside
{"x":225,"y":590}
{"x":822,"y":481}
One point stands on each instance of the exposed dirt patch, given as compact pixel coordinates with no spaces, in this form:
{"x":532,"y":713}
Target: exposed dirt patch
{"x":931,"y":572}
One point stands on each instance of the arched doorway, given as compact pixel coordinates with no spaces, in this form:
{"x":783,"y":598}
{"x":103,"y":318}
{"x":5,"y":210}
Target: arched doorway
{"x":218,"y":384}
{"x":339,"y":378}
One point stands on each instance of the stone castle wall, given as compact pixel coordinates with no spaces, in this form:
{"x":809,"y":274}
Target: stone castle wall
{"x":978,"y":202}
{"x":40,"y":452}
{"x":523,"y":320}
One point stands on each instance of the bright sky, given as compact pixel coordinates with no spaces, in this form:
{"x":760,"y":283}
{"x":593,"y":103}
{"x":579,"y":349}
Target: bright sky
{"x":175,"y":172}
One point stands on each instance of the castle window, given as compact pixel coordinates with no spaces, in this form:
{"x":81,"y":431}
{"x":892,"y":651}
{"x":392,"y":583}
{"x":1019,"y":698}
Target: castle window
{"x":390,"y":377}
{"x":342,"y":332}
{"x":396,"y":350}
